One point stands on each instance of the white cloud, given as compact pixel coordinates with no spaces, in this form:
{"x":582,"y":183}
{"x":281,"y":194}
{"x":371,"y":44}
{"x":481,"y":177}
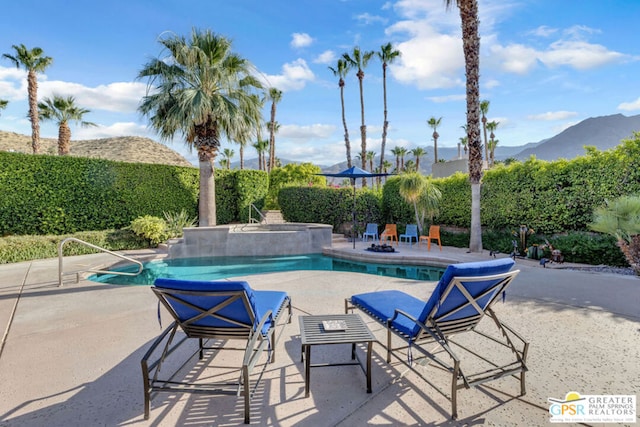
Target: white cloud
{"x":543,"y":31}
{"x":630,"y":106}
{"x":368,"y":19}
{"x":299,"y":40}
{"x":579,"y":55}
{"x":294,"y":76}
{"x":121,"y":97}
{"x":552,"y":115}
{"x":429,"y":60}
{"x":326,"y":57}
{"x":306,"y":132}
{"x":447,"y":98}
{"x":515,"y":58}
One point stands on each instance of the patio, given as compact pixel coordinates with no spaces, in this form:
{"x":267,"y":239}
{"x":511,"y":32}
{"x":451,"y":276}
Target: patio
{"x":71,"y":355}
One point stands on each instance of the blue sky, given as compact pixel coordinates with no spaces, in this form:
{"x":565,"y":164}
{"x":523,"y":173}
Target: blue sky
{"x":545,"y":65}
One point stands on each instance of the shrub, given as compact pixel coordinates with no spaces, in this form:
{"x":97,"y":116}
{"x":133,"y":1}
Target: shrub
{"x":151,"y":228}
{"x":177,"y":221}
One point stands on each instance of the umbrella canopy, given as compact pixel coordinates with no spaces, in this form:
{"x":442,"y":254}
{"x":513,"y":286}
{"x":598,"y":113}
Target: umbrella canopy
{"x":353,"y":173}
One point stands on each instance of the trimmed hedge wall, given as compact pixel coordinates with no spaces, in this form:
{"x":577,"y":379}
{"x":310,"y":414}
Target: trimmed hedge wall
{"x":43,"y":194}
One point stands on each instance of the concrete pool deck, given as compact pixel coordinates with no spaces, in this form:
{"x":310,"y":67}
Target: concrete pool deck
{"x":71,"y":356}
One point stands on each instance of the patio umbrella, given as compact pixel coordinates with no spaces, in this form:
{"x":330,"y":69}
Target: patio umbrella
{"x":353,"y":173}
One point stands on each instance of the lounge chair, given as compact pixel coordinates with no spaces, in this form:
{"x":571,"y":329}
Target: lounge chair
{"x":434,"y":234}
{"x":371,"y":231}
{"x":214,"y":312}
{"x":464,"y":294}
{"x":390,"y":233}
{"x":410,"y":233}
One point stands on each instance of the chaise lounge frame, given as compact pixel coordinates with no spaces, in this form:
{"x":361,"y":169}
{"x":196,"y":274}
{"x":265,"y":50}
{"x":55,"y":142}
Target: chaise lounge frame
{"x":258,"y":338}
{"x":436,"y":330}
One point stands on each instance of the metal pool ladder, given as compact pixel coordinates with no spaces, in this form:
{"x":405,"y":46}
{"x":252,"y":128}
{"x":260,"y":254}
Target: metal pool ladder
{"x":61,"y":271}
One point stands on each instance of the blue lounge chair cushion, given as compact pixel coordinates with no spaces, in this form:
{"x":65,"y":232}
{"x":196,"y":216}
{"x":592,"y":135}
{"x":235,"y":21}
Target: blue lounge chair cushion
{"x":384,"y":303}
{"x":260,"y":301}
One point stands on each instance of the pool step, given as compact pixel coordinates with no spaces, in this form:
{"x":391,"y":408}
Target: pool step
{"x":338,"y":238}
{"x":273,"y":217}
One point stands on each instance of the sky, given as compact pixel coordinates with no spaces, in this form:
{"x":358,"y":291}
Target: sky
{"x":545,"y":65}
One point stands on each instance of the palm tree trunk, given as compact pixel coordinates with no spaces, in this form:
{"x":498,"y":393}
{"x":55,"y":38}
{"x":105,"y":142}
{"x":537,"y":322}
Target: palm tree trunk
{"x":272,"y":137}
{"x":385,"y":123}
{"x":32,"y":90}
{"x":346,"y":129}
{"x":64,"y":139}
{"x":471,"y":47}
{"x":363,"y":130}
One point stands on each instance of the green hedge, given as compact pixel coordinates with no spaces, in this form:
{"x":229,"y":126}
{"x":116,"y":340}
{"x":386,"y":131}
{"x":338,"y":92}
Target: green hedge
{"x":43,"y":194}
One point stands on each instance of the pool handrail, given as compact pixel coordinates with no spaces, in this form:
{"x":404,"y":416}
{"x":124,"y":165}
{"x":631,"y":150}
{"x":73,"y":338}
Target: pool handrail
{"x":73,"y":239}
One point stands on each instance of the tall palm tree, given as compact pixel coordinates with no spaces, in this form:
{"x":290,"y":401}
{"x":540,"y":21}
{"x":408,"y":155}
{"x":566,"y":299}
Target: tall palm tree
{"x":227,"y":154}
{"x":471,"y":47}
{"x":62,"y":111}
{"x":484,"y":110}
{"x":359,"y":59}
{"x":397,"y":152}
{"x":493,"y":143}
{"x":341,"y":70}
{"x":433,"y":124}
{"x":371,"y":155}
{"x":34,"y":62}
{"x":274,"y":95}
{"x":403,"y":152}
{"x":387,"y":55}
{"x":464,"y":142}
{"x":261,"y":146}
{"x":203,"y":91}
{"x":417,"y":153}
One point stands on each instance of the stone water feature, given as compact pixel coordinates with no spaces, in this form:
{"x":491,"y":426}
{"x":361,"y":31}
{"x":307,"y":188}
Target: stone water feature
{"x":252,"y":240}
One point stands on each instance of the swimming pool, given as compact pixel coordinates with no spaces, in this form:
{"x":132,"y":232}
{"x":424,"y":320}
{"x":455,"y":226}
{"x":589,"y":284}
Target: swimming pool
{"x":214,"y":268}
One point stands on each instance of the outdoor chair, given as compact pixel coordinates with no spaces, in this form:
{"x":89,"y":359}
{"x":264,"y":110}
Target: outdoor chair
{"x":390,"y":233}
{"x":463,"y":296}
{"x":434,"y":234}
{"x":410,"y":233}
{"x":371,"y":231}
{"x":215,"y":313}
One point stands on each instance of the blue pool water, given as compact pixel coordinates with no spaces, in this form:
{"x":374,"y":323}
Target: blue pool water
{"x":214,"y":268}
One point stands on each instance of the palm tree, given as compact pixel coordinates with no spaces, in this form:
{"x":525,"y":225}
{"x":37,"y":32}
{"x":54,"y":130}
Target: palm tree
{"x":484,"y":109}
{"x":493,"y":143}
{"x":397,"y":151}
{"x":371,"y":155}
{"x":387,"y":55}
{"x":227,"y":153}
{"x":224,"y":163}
{"x":471,"y":47}
{"x":433,"y":124}
{"x":273,"y":129}
{"x":403,"y":152}
{"x":418,"y":190}
{"x":621,"y":219}
{"x":464,"y":142}
{"x":3,"y":104}
{"x":62,"y":111}
{"x":261,"y":146}
{"x":34,"y":62}
{"x":417,"y":153}
{"x":203,"y":91}
{"x":274,"y":95}
{"x":359,"y":59}
{"x":341,"y":70}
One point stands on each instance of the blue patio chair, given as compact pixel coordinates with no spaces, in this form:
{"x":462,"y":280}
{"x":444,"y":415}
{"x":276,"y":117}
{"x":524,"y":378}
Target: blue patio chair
{"x":371,"y":231}
{"x":462,"y":297}
{"x":410,"y":233}
{"x":214,"y":313}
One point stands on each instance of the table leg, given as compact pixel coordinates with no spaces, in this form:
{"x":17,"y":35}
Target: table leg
{"x":307,"y":369}
{"x":353,"y":351}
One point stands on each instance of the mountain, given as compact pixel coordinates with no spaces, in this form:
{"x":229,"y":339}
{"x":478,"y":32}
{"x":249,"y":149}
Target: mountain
{"x":601,"y":132}
{"x":132,"y":149}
